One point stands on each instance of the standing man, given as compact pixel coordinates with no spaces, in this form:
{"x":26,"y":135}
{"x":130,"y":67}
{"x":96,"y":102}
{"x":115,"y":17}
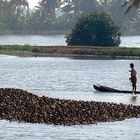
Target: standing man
{"x":133,"y":78}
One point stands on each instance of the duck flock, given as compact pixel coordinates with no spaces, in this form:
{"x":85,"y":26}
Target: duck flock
{"x":22,"y":106}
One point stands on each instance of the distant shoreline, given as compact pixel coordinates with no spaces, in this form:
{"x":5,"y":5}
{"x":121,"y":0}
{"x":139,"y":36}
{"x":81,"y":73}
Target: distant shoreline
{"x":75,"y":52}
{"x":61,"y":32}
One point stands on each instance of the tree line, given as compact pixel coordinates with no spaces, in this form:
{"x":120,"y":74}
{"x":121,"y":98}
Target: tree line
{"x":58,"y":16}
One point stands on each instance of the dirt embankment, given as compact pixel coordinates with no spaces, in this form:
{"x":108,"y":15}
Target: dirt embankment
{"x":83,"y":52}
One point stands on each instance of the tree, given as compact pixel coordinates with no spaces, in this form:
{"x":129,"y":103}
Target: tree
{"x":89,"y":6}
{"x":35,"y":21}
{"x":48,"y":8}
{"x":94,"y":30}
{"x":106,"y":5}
{"x":21,"y":11}
{"x":130,"y":4}
{"x":19,"y":3}
{"x":7,"y":16}
{"x":76,"y":7}
{"x":117,"y":12}
{"x":71,"y":7}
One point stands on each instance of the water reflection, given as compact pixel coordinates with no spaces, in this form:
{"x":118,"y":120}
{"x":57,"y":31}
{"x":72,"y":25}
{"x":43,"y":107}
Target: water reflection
{"x":134,"y":99}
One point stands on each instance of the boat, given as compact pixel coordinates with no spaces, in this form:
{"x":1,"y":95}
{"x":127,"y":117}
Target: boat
{"x":102,"y":88}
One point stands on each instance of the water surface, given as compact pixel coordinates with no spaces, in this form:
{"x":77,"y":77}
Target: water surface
{"x":53,"y":40}
{"x":69,"y":79}
{"x":34,"y":40}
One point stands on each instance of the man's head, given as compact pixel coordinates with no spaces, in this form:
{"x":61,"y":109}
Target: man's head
{"x":131,"y":65}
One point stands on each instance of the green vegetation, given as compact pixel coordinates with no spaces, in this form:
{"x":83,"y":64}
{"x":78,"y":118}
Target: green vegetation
{"x":58,"y":16}
{"x":94,"y":30}
{"x":87,"y":52}
{"x":17,"y":50}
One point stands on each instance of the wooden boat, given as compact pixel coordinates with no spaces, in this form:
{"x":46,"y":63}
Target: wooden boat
{"x":102,"y":88}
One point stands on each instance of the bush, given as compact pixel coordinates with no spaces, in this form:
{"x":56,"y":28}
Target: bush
{"x":35,"y":50}
{"x":94,"y":30}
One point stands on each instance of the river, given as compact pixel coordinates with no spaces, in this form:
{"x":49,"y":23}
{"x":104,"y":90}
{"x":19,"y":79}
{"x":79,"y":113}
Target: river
{"x":69,"y":79}
{"x":53,"y":40}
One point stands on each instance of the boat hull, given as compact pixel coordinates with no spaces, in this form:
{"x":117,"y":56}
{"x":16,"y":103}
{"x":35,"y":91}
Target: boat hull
{"x":113,"y":90}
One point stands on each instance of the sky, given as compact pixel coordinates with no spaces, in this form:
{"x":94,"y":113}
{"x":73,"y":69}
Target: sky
{"x":33,"y":3}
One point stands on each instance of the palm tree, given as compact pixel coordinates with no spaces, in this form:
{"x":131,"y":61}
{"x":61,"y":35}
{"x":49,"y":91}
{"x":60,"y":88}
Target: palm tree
{"x":106,"y":5}
{"x":19,"y":3}
{"x":130,"y":4}
{"x":71,"y":6}
{"x":76,"y":7}
{"x":19,"y":6}
{"x":48,"y":8}
{"x":89,"y":6}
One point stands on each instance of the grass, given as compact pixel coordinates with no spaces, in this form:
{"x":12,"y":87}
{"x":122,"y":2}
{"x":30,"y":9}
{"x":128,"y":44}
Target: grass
{"x":72,"y":51}
{"x":16,"y":50}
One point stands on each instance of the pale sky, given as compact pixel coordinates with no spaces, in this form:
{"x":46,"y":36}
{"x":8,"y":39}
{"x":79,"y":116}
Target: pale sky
{"x":33,"y":3}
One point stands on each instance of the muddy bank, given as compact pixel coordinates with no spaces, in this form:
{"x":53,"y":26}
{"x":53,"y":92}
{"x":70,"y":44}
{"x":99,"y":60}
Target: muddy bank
{"x":21,"y":106}
{"x":77,"y":52}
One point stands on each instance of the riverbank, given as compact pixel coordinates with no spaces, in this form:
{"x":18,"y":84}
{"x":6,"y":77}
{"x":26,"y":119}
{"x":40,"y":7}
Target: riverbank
{"x":22,"y":106}
{"x":27,"y":32}
{"x":77,"y":52}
